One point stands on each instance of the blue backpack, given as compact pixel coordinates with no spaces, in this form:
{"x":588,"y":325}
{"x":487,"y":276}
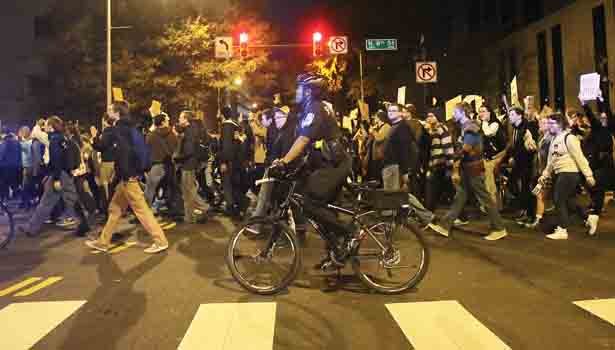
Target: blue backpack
{"x":142,"y":151}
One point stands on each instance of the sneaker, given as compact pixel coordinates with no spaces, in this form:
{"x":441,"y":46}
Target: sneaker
{"x":439,"y":229}
{"x":460,"y":222}
{"x":156,"y":248}
{"x":523,"y":221}
{"x":592,"y":223}
{"x":96,"y":245}
{"x":67,"y":222}
{"x":532,"y":224}
{"x":495,"y":235}
{"x":560,"y":233}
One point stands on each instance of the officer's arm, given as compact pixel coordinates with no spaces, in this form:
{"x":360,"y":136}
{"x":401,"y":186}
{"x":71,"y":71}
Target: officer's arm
{"x":297,"y":149}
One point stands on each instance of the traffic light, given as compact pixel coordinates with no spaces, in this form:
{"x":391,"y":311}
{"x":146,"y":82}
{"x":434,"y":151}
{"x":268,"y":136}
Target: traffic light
{"x":317,"y":44}
{"x":243,"y":45}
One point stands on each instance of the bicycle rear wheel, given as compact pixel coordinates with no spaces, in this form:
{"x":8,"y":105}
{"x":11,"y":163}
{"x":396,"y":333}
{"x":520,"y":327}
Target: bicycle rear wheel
{"x":7,"y":226}
{"x":402,"y":263}
{"x":267,"y":262}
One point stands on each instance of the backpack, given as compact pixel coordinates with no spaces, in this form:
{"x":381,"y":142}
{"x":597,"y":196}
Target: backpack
{"x":73,"y":155}
{"x":142,"y":151}
{"x":203,"y":147}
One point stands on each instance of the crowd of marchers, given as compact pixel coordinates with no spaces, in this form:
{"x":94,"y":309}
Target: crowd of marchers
{"x":520,"y":159}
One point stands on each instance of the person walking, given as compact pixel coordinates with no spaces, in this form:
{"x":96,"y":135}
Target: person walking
{"x":469,"y":177}
{"x":129,"y":161}
{"x":565,"y":165}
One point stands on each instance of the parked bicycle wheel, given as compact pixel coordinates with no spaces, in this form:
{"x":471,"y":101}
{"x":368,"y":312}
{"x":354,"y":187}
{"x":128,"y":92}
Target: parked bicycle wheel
{"x":396,"y":262}
{"x":7,"y":226}
{"x":265,"y":262}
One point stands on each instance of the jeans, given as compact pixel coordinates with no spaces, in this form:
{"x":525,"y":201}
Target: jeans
{"x":232,"y":186}
{"x":51,"y":197}
{"x":391,"y":180}
{"x":564,"y":195}
{"x":523,"y":172}
{"x":604,"y":179}
{"x":129,"y":193}
{"x":153,"y":179}
{"x":192,"y":199}
{"x":472,"y":184}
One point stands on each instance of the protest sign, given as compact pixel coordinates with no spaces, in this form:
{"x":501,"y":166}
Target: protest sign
{"x":590,"y":87}
{"x":450,"y":106}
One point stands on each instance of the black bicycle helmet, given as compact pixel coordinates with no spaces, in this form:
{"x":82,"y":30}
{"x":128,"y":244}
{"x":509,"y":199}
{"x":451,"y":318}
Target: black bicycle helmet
{"x":312,"y":80}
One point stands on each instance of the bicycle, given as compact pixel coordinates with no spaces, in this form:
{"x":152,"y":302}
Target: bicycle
{"x":267,"y":261}
{"x":7,"y":232}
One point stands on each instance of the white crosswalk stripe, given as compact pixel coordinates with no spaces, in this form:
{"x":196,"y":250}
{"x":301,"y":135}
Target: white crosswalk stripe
{"x":603,"y":308}
{"x":443,"y":325}
{"x":24,"y":324}
{"x":231,"y":326}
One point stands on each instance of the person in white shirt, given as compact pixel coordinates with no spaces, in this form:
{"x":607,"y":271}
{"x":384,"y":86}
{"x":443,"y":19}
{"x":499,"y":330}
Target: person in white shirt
{"x":566,"y":163}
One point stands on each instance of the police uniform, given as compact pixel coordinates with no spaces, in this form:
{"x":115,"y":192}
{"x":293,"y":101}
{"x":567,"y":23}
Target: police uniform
{"x":318,"y":124}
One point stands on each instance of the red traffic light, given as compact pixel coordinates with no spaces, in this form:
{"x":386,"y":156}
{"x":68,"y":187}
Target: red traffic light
{"x":243,"y":45}
{"x":317,"y":36}
{"x":317,"y":44}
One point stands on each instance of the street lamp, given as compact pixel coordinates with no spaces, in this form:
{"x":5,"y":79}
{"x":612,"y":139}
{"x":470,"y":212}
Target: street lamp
{"x":238,"y":81}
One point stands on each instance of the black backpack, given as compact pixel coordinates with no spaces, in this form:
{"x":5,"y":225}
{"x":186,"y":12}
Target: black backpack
{"x":73,"y":154}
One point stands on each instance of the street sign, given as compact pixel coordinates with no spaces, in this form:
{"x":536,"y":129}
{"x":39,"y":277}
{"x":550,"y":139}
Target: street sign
{"x":224,"y":47}
{"x":338,"y":45}
{"x":426,"y":72}
{"x":381,"y":44}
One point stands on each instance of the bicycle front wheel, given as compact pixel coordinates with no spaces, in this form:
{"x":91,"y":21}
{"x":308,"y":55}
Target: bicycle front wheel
{"x":7,"y":227}
{"x":395,"y":265}
{"x":265,"y":262}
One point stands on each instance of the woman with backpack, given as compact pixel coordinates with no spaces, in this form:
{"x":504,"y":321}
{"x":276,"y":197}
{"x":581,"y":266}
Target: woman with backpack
{"x":565,"y":165}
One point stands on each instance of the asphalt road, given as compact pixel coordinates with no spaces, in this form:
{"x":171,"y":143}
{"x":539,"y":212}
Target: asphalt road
{"x":516,"y":293}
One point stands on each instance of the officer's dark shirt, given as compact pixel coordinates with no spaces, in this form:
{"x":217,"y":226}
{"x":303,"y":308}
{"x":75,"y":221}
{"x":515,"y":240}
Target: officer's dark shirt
{"x":317,"y":124}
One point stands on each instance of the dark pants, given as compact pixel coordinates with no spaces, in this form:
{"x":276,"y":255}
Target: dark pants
{"x":9,"y":179}
{"x":604,"y":180}
{"x":437,"y":184}
{"x":323,"y":186}
{"x":85,"y":198}
{"x":564,"y":195}
{"x":233,"y":188}
{"x":523,"y":175}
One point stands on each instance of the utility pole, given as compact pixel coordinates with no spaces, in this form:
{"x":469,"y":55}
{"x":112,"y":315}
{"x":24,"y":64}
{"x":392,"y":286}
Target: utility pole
{"x":109,"y":77}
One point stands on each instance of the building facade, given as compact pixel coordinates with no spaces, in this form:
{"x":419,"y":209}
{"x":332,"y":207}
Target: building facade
{"x":546,"y":44}
{"x":24,"y":83}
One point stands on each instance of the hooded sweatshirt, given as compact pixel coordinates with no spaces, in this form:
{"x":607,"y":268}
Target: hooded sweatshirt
{"x":163,"y":143}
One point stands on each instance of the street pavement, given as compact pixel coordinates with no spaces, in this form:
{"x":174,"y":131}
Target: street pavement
{"x":522,"y":292}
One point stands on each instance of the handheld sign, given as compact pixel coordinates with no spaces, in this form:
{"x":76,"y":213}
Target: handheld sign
{"x":450,"y":106}
{"x":590,"y":87}
{"x":118,"y":95}
{"x":155,"y":109}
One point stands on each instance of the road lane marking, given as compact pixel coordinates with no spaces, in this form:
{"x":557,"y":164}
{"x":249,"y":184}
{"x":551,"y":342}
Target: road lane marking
{"x":443,"y":325}
{"x":169,"y":226}
{"x":122,"y":247}
{"x":24,"y":324}
{"x":46,"y":283}
{"x":19,"y":285}
{"x":231,"y":326}
{"x":602,"y":308}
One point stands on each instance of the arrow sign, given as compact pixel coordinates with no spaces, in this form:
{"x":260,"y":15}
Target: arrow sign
{"x":338,"y":45}
{"x":426,"y":72}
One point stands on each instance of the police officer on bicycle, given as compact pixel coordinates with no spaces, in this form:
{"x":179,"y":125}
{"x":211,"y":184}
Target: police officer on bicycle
{"x":317,"y":123}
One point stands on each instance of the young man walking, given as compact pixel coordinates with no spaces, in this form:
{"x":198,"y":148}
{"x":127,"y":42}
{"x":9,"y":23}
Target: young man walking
{"x":128,"y":192}
{"x":469,"y":176}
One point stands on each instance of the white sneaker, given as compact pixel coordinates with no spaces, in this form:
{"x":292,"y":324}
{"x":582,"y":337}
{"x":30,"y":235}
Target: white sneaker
{"x":155,"y":248}
{"x":560,"y":233}
{"x":592,"y":223}
{"x":495,"y":235}
{"x":459,"y":222}
{"x":439,"y":229}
